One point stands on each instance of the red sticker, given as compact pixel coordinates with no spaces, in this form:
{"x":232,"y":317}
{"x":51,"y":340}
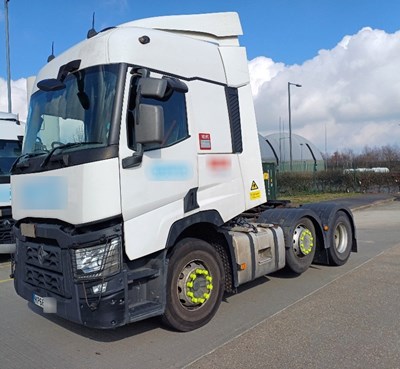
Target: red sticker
{"x":219,"y":164}
{"x":205,"y":141}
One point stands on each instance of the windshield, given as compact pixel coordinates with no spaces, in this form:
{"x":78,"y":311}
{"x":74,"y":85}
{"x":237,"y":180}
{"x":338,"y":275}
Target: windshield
{"x":79,"y":113}
{"x":9,"y":151}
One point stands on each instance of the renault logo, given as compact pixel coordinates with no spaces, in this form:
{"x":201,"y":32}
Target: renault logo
{"x":6,"y":223}
{"x":42,"y":254}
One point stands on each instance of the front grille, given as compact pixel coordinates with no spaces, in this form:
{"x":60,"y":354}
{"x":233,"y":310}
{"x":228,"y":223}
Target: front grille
{"x":43,"y":267}
{"x":44,"y":256}
{"x":6,"y":234}
{"x":45,"y":279}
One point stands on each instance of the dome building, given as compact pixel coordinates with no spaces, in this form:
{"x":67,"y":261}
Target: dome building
{"x":305,"y":155}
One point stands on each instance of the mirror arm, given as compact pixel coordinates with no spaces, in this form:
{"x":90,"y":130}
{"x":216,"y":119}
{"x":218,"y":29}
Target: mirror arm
{"x":134,"y":160}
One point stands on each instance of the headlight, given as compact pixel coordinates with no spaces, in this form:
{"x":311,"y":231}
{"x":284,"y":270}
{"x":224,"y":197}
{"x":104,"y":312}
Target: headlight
{"x":99,"y":261}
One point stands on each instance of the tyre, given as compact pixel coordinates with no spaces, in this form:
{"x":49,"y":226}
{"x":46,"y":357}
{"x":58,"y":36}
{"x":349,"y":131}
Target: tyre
{"x":301,"y":251}
{"x":341,"y":242}
{"x":195,"y":285}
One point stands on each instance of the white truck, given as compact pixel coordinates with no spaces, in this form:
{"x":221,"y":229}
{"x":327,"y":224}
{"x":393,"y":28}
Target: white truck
{"x":11,"y":133}
{"x":140,"y":189}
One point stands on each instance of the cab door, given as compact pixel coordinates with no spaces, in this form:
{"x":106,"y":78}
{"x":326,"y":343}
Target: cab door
{"x":158,"y":179}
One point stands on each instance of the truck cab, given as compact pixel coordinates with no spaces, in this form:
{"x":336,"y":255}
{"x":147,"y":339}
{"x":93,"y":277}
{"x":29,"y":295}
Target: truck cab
{"x":140,"y":182}
{"x":11,"y":133}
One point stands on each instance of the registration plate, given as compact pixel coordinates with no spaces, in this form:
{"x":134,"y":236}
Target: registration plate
{"x":37,"y":300}
{"x":48,"y":304}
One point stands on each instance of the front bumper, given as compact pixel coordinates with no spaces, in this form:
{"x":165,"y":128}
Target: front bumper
{"x":107,"y":311}
{"x":43,"y":268}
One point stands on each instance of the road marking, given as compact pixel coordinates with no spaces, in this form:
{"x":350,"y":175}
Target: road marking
{"x":5,"y":280}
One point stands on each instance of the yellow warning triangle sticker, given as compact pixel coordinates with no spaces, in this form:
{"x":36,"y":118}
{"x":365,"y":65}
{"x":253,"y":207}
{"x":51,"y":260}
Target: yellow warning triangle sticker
{"x":254,"y":186}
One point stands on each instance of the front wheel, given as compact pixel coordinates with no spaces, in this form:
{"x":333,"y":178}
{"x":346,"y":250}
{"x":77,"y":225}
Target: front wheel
{"x":342,"y":238}
{"x":301,"y":251}
{"x":195,"y":285}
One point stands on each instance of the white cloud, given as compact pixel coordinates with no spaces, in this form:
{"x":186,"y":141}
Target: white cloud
{"x":353,"y":90}
{"x":18,"y":97}
{"x":263,"y":69}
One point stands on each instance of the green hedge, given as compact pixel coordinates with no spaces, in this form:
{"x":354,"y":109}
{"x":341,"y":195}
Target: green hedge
{"x":337,"y":181}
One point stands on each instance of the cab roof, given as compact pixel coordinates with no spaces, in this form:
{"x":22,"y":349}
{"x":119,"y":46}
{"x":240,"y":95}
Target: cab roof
{"x":217,"y":25}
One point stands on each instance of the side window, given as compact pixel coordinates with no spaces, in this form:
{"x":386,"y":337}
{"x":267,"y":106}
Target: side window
{"x":175,"y":118}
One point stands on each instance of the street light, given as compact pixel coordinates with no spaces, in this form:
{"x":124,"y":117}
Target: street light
{"x":282,"y":158}
{"x":8,"y":56}
{"x":301,"y":156}
{"x":290,"y":124}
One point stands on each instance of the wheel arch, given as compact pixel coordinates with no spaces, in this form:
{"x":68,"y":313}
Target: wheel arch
{"x":326,"y":212}
{"x":205,"y":226}
{"x":287,"y":219}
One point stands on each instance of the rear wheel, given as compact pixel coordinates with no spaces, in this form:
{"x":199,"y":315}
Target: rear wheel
{"x":300,"y":253}
{"x":195,"y":285}
{"x":342,"y":238}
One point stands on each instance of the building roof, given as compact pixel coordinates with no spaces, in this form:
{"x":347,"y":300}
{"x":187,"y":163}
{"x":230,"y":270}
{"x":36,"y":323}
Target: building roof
{"x":301,"y":147}
{"x":275,"y":148}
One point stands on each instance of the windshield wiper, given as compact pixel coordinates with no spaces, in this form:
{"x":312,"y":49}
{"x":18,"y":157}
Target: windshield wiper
{"x":65,"y":146}
{"x":25,"y":156}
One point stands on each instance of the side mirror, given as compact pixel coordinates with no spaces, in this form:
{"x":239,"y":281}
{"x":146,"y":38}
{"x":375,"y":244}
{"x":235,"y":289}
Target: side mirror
{"x":51,"y":84}
{"x":149,"y":119}
{"x":149,"y":127}
{"x":56,"y":84}
{"x":153,"y":87}
{"x":156,"y":88}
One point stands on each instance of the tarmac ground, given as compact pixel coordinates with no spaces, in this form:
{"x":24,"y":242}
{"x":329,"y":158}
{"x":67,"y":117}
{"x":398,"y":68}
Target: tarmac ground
{"x":328,"y":317}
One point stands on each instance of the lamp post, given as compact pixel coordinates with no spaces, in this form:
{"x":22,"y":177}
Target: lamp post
{"x":290,"y":124}
{"x":301,"y":157}
{"x":8,"y":56}
{"x":282,"y":153}
{"x":326,"y":153}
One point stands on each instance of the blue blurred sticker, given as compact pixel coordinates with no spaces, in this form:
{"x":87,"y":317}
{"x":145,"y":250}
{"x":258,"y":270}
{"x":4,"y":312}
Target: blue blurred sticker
{"x":44,"y":193}
{"x":169,"y":171}
{"x":5,"y":193}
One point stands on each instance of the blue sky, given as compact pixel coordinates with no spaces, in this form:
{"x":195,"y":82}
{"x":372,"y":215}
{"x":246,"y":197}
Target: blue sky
{"x":287,"y":31}
{"x":345,"y":54}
